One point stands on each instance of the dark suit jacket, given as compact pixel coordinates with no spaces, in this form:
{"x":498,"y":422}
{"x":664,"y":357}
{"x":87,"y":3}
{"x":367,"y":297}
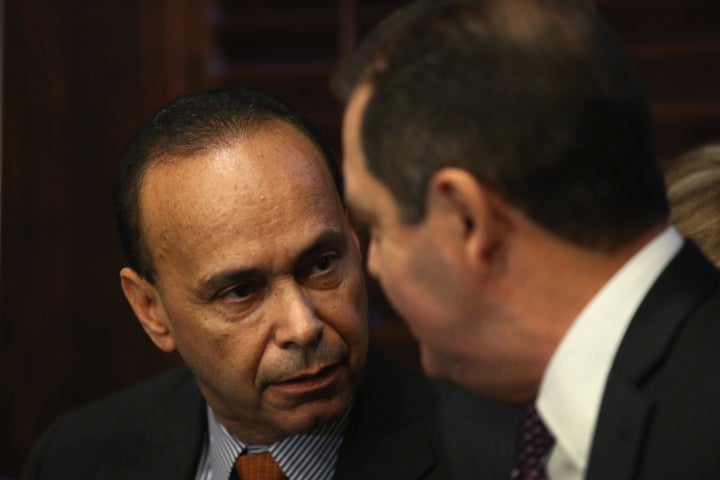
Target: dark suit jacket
{"x":660,"y":414}
{"x":402,"y":427}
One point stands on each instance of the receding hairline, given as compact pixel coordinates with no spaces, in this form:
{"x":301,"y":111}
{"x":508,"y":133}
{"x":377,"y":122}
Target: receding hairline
{"x":228,"y":139}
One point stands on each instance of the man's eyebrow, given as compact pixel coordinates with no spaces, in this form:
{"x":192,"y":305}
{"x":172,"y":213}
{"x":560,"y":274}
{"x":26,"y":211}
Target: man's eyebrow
{"x":333,"y":237}
{"x":219,"y":280}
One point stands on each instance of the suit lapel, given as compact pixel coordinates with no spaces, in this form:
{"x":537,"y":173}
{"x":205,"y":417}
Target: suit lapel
{"x":626,"y":411}
{"x":619,"y":433}
{"x":687,"y":280}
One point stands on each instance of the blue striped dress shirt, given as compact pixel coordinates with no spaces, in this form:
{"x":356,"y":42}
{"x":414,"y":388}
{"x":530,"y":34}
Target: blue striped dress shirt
{"x":307,"y":456}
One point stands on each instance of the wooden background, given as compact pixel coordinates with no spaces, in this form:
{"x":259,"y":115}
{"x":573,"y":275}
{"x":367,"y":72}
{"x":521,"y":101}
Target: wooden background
{"x":81,"y":75}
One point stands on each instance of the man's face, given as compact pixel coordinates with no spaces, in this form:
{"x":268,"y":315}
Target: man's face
{"x":453,"y":275}
{"x":259,"y":281}
{"x":403,"y":257}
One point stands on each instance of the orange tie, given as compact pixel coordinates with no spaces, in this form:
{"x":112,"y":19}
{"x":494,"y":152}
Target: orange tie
{"x":258,"y":466}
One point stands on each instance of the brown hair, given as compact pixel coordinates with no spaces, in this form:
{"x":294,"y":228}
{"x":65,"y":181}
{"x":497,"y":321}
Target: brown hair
{"x":535,"y":98}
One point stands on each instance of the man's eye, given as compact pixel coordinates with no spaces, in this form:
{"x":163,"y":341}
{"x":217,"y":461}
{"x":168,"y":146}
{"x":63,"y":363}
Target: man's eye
{"x":242,"y":291}
{"x":326,"y":262}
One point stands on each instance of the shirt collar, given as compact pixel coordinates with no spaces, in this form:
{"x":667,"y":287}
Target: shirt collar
{"x":307,"y":455}
{"x":573,"y":384}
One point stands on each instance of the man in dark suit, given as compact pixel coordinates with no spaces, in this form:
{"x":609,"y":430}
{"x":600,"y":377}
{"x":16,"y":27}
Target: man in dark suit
{"x":501,"y":154}
{"x":243,"y":259}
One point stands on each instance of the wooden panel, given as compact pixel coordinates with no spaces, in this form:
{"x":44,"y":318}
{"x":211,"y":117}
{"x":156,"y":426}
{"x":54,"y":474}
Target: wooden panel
{"x":75,"y":90}
{"x":682,"y":125}
{"x":651,"y":21}
{"x":679,"y":71}
{"x":675,"y":47}
{"x":290,"y":49}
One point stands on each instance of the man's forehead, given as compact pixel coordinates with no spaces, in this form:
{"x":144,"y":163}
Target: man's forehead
{"x":263,"y":201}
{"x":257,"y":165}
{"x":262,"y":259}
{"x":241,"y":192}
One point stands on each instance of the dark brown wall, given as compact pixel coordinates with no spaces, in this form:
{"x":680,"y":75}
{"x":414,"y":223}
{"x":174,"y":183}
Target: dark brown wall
{"x":81,"y":75}
{"x":675,"y":46}
{"x":79,"y":78}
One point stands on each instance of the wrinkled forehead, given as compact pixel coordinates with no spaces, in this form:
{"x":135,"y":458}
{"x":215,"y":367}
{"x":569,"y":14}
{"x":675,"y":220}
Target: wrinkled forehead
{"x":272,"y":183}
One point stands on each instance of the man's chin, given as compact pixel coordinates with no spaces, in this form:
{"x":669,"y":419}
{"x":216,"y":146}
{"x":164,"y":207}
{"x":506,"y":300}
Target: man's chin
{"x":314,"y":414}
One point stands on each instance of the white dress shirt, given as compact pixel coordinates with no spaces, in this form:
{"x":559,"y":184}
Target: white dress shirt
{"x":574,"y":381}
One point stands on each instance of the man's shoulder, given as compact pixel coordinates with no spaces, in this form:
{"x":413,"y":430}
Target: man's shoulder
{"x":409,"y":387}
{"x":433,"y":429}
{"x":466,"y":411}
{"x":676,"y":323}
{"x":118,"y":428}
{"x":659,"y":416}
{"x":138,"y":401}
{"x":477,"y":433}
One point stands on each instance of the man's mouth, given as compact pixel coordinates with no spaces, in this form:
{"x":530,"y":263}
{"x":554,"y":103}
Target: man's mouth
{"x":314,"y":380}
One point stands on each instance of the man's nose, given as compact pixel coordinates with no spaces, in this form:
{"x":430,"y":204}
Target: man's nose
{"x":297,"y":322}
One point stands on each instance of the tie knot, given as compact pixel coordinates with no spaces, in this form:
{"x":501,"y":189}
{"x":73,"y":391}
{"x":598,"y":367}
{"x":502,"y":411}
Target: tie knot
{"x":258,"y":466}
{"x":533,"y":443}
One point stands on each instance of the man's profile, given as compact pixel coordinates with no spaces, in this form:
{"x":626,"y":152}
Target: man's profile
{"x":501,"y":152}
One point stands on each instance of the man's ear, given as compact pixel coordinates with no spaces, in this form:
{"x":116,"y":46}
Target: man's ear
{"x":474,"y":218}
{"x":147,"y":305}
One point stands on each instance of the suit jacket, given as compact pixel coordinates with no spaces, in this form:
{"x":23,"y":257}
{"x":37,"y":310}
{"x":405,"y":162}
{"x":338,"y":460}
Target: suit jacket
{"x":660,"y":416}
{"x":402,"y":426}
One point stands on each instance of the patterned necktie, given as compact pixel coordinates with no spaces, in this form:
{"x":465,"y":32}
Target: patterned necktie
{"x":533,"y":444}
{"x":258,"y":466}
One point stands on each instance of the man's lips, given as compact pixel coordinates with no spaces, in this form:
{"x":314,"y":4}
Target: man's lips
{"x":307,"y":382}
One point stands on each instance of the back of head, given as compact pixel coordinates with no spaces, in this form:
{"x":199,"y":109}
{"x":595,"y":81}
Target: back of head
{"x":693,"y":181}
{"x":535,"y":98}
{"x":189,"y":125}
